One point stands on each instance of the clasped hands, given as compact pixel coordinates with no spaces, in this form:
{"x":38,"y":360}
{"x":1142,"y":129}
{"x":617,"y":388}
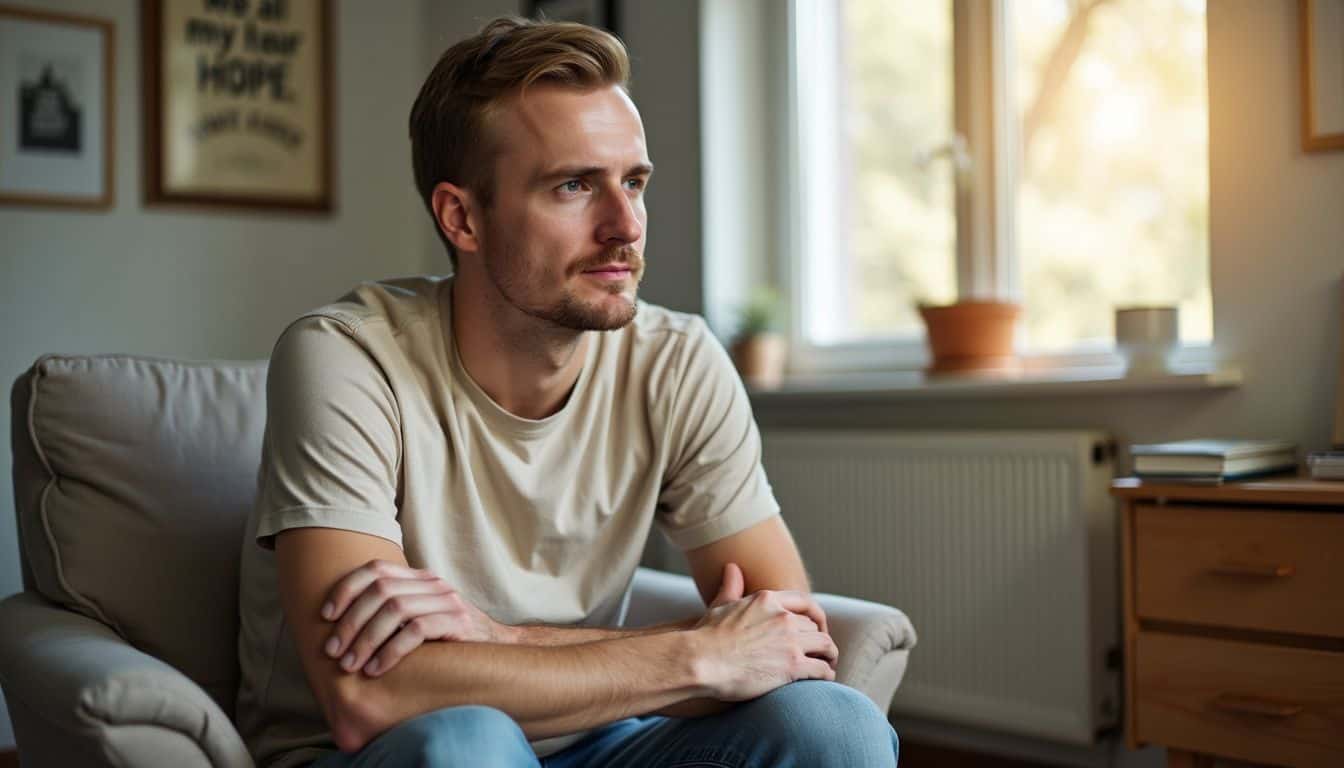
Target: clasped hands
{"x":382,"y":611}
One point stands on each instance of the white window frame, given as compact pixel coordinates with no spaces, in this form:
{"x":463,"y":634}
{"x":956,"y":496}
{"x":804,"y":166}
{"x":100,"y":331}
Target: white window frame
{"x":986,"y":213}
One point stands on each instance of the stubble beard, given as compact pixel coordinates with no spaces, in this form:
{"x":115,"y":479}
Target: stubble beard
{"x":569,"y":311}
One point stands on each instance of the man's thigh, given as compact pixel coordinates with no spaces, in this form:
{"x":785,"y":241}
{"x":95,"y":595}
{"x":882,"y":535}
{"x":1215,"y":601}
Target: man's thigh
{"x":454,"y":737}
{"x":808,"y":724}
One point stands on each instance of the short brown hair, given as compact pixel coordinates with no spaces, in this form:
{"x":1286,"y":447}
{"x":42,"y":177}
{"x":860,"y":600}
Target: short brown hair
{"x":449,"y":140}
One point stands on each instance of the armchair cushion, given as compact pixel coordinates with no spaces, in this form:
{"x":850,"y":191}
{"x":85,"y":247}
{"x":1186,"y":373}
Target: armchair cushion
{"x":874,"y":640}
{"x":90,"y":693}
{"x":133,"y":473}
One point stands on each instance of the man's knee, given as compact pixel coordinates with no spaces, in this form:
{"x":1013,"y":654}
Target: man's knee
{"x":820,"y":723}
{"x":471,"y":735}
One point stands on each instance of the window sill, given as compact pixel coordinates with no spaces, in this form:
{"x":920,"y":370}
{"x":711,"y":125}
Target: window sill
{"x":1060,"y":382}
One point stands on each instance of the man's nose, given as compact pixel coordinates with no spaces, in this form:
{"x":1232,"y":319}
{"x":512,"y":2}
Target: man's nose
{"x":620,"y":219}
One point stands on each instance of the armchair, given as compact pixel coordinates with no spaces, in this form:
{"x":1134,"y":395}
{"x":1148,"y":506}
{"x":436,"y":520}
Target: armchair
{"x":133,"y":478}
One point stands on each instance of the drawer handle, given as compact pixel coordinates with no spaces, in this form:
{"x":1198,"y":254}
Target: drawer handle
{"x":1260,"y":570}
{"x":1253,"y":705}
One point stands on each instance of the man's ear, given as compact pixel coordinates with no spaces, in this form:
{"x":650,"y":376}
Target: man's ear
{"x":455,"y":211}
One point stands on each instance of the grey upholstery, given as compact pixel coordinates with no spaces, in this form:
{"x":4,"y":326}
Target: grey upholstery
{"x":132,"y":480}
{"x":137,"y":473}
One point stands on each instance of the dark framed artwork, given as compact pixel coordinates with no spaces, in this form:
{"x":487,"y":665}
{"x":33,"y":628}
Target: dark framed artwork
{"x":238,"y":103}
{"x":56,"y":124}
{"x":594,"y":13}
{"x":1321,"y":29}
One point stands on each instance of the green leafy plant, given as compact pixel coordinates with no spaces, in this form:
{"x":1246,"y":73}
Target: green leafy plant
{"x":763,"y":312}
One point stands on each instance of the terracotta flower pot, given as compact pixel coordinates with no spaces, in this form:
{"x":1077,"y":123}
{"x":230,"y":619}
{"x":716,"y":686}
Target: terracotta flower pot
{"x":971,"y":337}
{"x":760,"y":359}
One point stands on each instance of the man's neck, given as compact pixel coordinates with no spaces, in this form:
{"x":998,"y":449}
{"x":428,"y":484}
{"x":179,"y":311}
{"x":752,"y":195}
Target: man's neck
{"x":528,"y":366}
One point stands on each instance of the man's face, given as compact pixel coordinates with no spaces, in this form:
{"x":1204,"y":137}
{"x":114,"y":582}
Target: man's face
{"x":564,"y":237}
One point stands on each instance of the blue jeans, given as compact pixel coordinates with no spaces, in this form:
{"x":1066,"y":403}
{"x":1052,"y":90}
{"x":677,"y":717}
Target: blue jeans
{"x":807,"y":724}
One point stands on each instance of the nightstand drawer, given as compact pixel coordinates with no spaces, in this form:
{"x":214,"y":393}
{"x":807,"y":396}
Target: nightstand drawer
{"x":1242,"y":568}
{"x":1264,"y":703}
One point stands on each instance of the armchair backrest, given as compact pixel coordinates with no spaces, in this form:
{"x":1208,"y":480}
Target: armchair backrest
{"x":133,"y":479}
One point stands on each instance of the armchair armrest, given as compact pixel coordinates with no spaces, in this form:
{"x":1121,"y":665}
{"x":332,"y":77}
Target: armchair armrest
{"x":874,"y":639}
{"x":80,"y":695}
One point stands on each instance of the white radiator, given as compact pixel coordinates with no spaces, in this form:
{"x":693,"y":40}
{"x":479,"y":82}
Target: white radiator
{"x":1000,"y":546}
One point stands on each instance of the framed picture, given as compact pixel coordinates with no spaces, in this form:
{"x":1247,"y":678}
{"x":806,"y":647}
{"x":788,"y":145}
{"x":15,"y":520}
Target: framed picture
{"x":56,"y":109}
{"x":594,"y":13}
{"x":1322,"y":29}
{"x":238,"y":103}
{"x":1338,"y":439}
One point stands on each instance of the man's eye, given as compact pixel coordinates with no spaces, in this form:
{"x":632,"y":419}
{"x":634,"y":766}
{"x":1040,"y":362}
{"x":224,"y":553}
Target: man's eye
{"x":572,"y":186}
{"x":635,"y":184}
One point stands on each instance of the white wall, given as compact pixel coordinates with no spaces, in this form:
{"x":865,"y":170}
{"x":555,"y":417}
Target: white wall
{"x":741,"y":194}
{"x":213,"y":284}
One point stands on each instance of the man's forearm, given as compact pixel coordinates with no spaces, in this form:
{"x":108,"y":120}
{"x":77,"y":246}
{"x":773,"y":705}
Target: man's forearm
{"x":548,"y":690}
{"x":553,"y":635}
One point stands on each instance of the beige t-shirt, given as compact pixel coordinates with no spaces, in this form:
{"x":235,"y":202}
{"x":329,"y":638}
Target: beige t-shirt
{"x":374,"y":426}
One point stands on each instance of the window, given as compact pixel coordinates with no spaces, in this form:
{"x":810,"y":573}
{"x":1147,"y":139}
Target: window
{"x":1054,"y":152}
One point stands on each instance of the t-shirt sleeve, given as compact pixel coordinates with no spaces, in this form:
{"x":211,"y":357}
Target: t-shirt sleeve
{"x":332,"y":445}
{"x":715,"y":485}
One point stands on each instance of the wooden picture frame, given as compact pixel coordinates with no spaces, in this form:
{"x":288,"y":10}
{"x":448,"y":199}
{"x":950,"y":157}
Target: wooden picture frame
{"x":238,"y":103}
{"x":1338,"y":439}
{"x":57,"y":122}
{"x":1321,"y":29}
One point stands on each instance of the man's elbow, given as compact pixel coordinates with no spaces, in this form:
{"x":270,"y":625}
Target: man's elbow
{"x":350,"y":705}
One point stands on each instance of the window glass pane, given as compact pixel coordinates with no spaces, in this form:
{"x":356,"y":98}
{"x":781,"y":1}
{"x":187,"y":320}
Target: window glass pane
{"x":1113,"y":200}
{"x":896,"y":233}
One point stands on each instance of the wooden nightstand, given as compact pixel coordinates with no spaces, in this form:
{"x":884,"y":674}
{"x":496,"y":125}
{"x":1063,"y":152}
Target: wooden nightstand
{"x":1234,"y":620}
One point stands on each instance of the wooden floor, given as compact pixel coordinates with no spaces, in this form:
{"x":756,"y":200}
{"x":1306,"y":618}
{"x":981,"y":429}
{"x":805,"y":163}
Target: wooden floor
{"x":919,"y":755}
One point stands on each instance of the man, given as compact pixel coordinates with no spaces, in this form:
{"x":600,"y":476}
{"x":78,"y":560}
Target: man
{"x":459,"y":476}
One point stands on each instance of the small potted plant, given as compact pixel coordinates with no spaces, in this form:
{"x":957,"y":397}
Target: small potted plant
{"x":759,"y":349}
{"x":971,"y":337}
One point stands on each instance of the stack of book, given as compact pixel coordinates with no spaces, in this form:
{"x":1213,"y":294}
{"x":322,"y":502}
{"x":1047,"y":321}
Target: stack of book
{"x":1327,"y":465}
{"x":1213,"y":461}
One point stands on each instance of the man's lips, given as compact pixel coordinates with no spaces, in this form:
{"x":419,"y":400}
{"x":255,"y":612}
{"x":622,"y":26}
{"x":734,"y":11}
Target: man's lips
{"x":609,"y":272}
